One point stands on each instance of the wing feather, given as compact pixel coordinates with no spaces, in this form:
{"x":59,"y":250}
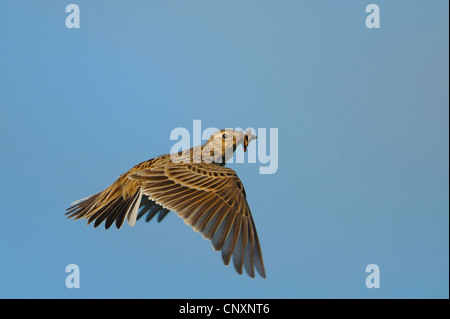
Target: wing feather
{"x":208,"y":197}
{"x":212,"y":200}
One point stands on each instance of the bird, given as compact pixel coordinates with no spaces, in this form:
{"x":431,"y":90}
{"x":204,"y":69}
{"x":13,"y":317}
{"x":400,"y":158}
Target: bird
{"x":193,"y":183}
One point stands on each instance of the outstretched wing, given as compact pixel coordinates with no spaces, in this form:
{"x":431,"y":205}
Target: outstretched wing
{"x":212,"y":200}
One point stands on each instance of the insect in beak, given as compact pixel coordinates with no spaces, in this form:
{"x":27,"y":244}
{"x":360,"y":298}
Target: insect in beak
{"x":247,"y":138}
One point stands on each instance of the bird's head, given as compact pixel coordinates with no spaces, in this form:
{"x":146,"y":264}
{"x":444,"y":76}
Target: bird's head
{"x":222,"y":144}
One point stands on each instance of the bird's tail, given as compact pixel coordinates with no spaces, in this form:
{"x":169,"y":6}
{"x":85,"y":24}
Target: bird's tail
{"x":111,"y":205}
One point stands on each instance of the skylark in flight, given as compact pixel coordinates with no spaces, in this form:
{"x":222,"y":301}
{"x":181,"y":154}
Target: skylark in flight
{"x":196,"y":186}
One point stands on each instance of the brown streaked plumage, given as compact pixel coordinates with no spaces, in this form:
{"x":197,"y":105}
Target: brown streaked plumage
{"x":197,"y":187}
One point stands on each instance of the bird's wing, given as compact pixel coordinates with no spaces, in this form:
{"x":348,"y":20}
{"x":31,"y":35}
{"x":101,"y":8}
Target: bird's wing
{"x":212,"y":200}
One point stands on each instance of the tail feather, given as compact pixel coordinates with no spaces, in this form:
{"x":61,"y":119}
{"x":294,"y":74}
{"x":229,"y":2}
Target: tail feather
{"x":102,"y":207}
{"x":133,"y":210}
{"x":100,"y":214}
{"x":122,"y":205}
{"x":118,"y":202}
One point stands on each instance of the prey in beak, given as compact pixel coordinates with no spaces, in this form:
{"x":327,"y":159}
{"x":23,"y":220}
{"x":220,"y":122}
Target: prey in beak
{"x":248,"y":137}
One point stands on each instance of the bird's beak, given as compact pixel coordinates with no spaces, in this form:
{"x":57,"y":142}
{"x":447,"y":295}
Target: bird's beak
{"x":248,"y":137}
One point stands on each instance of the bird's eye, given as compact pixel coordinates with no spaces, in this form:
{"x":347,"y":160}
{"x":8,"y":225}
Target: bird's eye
{"x":224,"y":136}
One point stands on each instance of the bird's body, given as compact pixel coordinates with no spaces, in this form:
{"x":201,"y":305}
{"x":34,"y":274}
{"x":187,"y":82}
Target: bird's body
{"x":196,"y":186}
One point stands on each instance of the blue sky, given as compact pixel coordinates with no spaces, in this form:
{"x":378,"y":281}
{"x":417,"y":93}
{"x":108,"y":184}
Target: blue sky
{"x":362,"y":118}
